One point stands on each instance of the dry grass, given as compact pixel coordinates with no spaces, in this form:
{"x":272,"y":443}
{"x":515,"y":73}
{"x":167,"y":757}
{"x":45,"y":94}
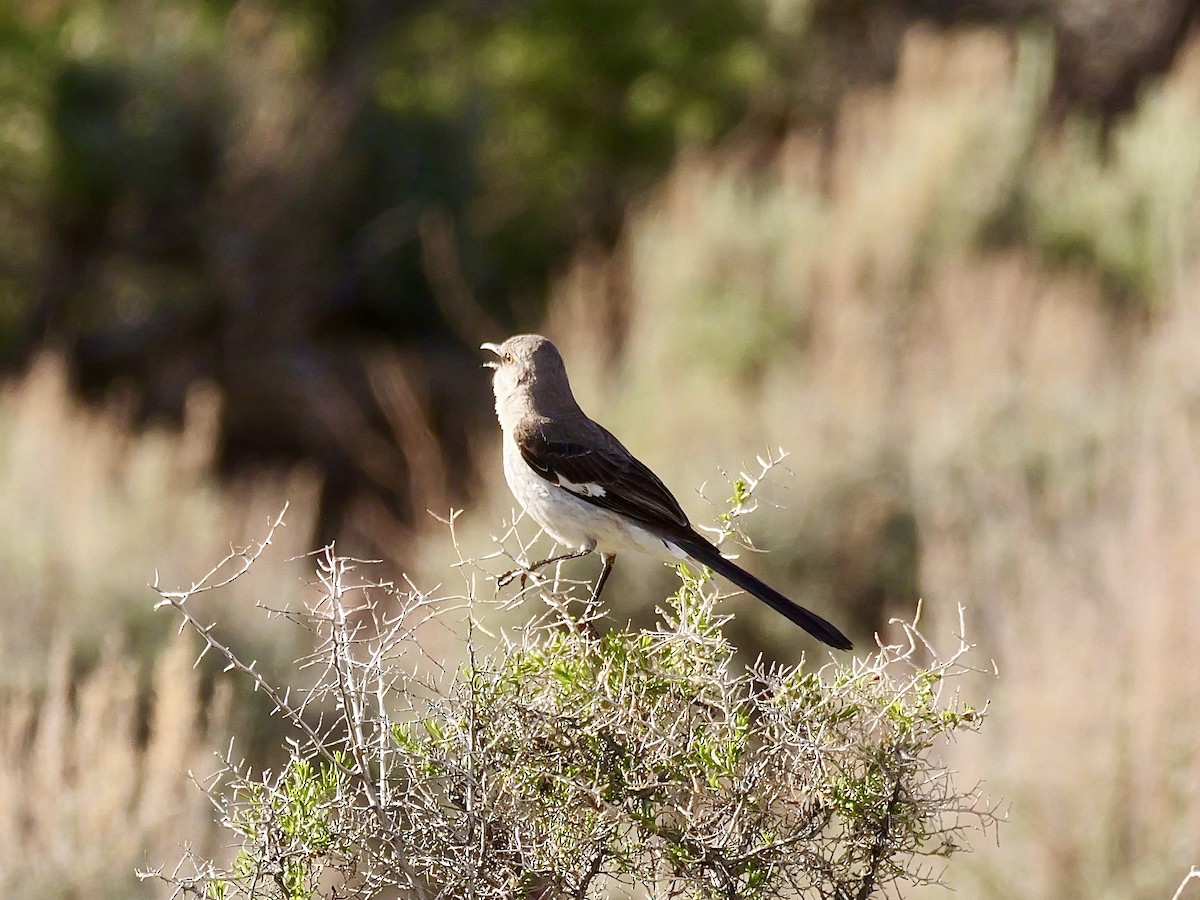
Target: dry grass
{"x":100,"y":710}
{"x":1042,"y":439}
{"x":85,"y":798}
{"x":97,"y":509}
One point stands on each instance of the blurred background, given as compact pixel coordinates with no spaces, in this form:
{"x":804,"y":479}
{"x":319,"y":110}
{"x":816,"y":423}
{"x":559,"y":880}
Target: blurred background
{"x":943,"y":252}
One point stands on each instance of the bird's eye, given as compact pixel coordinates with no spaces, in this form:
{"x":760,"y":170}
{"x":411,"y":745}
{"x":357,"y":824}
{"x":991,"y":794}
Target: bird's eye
{"x":508,"y":357}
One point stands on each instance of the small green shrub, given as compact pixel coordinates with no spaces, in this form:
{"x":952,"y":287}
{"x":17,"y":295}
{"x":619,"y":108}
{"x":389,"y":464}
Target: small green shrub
{"x":563,"y":762}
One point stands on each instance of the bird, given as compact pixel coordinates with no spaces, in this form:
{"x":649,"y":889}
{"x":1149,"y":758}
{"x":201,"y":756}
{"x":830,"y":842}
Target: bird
{"x":588,"y":492}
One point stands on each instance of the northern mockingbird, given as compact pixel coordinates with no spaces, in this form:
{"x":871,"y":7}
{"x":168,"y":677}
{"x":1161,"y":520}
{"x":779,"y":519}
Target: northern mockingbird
{"x":587,"y":491}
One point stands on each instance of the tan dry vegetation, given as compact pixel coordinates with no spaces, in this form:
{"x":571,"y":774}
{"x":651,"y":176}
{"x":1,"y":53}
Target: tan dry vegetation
{"x":101,"y":715}
{"x":84,"y":798}
{"x":1040,"y":431}
{"x":99,"y":508}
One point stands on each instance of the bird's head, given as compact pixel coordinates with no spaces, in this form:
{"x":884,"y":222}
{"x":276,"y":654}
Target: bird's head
{"x":528,"y":370}
{"x":523,"y":359}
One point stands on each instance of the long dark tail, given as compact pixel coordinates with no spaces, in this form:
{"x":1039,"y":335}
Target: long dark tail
{"x":705,"y":553}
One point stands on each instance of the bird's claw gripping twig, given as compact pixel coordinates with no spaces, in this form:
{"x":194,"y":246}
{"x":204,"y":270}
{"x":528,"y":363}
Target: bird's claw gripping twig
{"x":507,"y":578}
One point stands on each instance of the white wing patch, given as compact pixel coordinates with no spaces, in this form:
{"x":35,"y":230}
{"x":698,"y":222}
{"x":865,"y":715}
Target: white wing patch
{"x":587,"y":489}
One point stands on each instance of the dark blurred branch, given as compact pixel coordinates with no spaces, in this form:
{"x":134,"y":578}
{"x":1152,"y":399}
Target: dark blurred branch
{"x":469,"y":320}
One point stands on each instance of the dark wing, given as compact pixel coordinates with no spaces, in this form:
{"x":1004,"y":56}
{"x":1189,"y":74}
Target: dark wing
{"x":605,"y":474}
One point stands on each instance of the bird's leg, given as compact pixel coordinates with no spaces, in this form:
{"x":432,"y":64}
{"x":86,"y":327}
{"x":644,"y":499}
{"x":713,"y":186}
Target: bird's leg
{"x":526,"y":570}
{"x":607,"y":559}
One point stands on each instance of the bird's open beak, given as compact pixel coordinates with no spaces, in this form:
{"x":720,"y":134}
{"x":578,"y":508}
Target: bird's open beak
{"x":495,"y":348}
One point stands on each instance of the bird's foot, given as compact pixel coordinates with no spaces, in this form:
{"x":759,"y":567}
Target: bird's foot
{"x":526,"y":571}
{"x":508,"y":577}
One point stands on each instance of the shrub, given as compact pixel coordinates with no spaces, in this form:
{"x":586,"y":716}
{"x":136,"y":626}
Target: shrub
{"x":558,"y":761}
